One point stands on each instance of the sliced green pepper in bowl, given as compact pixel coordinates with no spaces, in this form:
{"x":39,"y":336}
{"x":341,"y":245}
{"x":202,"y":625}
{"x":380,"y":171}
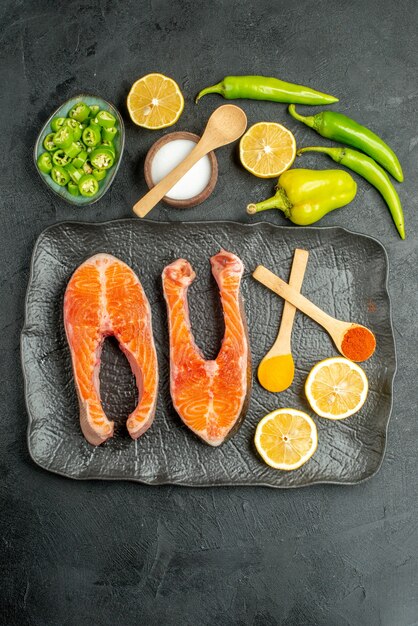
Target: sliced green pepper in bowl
{"x":91,"y":136}
{"x":88,"y":186}
{"x":81,"y":142}
{"x":105,"y":119}
{"x":64,"y":137}
{"x":56,"y":123}
{"x":49,"y":143}
{"x":73,"y":188}
{"x":59,"y":175}
{"x":59,"y":157}
{"x":79,"y":112}
{"x":45,"y":162}
{"x":102,"y":158}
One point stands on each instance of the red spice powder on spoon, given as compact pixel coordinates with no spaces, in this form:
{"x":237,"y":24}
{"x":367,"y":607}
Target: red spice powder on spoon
{"x":358,"y":343}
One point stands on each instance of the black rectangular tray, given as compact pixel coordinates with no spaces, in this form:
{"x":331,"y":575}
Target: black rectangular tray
{"x":346,"y":275}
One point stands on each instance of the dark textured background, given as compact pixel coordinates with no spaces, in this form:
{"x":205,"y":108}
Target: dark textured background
{"x":107,"y":553}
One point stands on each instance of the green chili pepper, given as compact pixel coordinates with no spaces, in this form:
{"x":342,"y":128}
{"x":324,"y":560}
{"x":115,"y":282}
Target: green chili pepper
{"x":80,"y":159}
{"x":56,"y":123}
{"x":305,"y":196}
{"x":60,"y":175}
{"x":106,"y":119}
{"x":264,"y":88}
{"x":48,"y":142}
{"x":95,"y":123}
{"x":60,"y":157}
{"x":91,"y":135}
{"x":343,"y":129}
{"x":75,"y":174}
{"x":73,"y":188}
{"x":44,"y":162}
{"x":108,"y":134}
{"x":87,"y":168}
{"x":102,"y":158}
{"x":75,"y":127}
{"x":108,"y":144}
{"x":88,"y":186}
{"x":99,"y":174}
{"x":372,"y":172}
{"x":73,"y":150}
{"x":80,"y":112}
{"x":64,"y":137}
{"x":94,"y":109}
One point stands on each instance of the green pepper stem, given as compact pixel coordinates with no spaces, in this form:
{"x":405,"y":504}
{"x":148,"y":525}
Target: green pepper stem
{"x":308,"y":120}
{"x":278,"y":201}
{"x":336,"y":154}
{"x":218,"y":88}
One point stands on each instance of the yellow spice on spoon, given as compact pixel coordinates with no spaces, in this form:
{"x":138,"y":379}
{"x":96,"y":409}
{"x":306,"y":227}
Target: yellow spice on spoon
{"x":276,"y":373}
{"x":277,"y":369}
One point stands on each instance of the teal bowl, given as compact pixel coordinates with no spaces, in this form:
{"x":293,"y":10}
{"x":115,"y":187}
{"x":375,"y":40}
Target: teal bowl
{"x":104,"y":184}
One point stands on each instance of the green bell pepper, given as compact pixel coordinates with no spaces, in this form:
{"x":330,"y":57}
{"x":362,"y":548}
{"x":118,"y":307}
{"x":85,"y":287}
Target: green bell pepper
{"x":305,"y":196}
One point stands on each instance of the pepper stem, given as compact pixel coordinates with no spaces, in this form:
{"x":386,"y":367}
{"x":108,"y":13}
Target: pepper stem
{"x":336,"y":154}
{"x":308,"y":120}
{"x":278,"y":201}
{"x":218,"y":88}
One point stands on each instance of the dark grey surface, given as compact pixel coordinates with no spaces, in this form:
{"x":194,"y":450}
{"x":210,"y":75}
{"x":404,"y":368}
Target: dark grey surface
{"x":106,"y":553}
{"x":346,"y":273}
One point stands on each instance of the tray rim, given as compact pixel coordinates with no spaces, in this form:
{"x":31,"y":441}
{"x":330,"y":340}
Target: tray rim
{"x":392,"y":371}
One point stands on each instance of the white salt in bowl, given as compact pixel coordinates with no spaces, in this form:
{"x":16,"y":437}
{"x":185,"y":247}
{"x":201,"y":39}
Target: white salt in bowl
{"x":195,"y":186}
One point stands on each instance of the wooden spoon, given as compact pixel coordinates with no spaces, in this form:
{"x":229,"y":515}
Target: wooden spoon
{"x":337,"y":329}
{"x":226,"y":124}
{"x":277,"y":369}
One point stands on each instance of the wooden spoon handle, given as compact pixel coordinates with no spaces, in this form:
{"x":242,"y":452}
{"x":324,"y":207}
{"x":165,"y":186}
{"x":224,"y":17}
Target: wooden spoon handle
{"x":276,"y":284}
{"x":300,"y":261}
{"x":154,"y":195}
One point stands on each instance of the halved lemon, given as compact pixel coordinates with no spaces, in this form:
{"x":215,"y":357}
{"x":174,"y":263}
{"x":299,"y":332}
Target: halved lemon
{"x":286,"y":438}
{"x":155,"y":101}
{"x":336,"y":388}
{"x":267,"y":149}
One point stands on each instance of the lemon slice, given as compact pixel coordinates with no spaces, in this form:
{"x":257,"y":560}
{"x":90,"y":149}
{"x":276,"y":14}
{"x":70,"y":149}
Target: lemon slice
{"x":155,"y":101}
{"x":336,"y":388}
{"x":286,"y":438}
{"x":267,"y":149}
